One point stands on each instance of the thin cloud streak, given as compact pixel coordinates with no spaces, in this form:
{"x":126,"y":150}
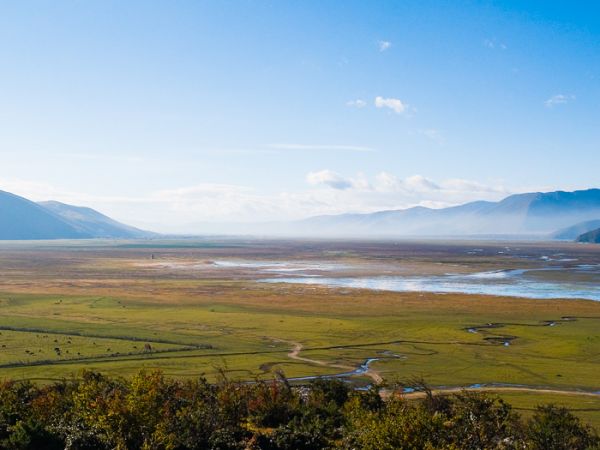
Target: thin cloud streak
{"x":322,"y":147}
{"x":559,"y":99}
{"x":358,"y":103}
{"x":103,"y":157}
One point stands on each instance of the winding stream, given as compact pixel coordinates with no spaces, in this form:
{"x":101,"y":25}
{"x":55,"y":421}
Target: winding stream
{"x":360,"y":370}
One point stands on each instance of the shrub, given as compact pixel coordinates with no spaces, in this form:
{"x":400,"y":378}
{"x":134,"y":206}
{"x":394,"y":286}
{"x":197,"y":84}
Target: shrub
{"x":556,"y":428}
{"x":150,"y":411}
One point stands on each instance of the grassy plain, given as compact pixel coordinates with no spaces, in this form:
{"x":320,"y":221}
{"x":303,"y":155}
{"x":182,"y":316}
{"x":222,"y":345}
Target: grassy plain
{"x":119,"y":306}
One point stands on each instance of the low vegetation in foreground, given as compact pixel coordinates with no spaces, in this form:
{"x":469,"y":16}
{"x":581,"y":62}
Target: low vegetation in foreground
{"x":151,"y":411}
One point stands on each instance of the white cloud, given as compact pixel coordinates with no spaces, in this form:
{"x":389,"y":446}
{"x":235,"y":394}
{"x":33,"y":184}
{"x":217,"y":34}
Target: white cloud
{"x":394,"y":104}
{"x":384,"y":45}
{"x":418,"y":183}
{"x":386,"y":182}
{"x":322,"y":147}
{"x":328,"y":178}
{"x":358,"y":103}
{"x":414,"y":189}
{"x":558,"y":99}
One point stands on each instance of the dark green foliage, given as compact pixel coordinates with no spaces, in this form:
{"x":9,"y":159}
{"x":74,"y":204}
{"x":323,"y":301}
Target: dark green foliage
{"x":556,"y":428}
{"x":226,"y":439}
{"x":301,"y":434}
{"x":370,"y":400}
{"x":330,"y":390}
{"x":32,"y":435}
{"x":482,"y":422}
{"x":272,"y":404}
{"x":150,"y":411}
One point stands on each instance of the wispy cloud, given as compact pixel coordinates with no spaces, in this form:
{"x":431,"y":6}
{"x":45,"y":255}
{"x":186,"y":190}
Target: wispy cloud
{"x":432,"y":134}
{"x":494,"y":44}
{"x":322,"y":147}
{"x":384,"y":45}
{"x":385,"y":182}
{"x":358,"y":103}
{"x":558,"y":99}
{"x":395,"y":104}
{"x":273,"y":149}
{"x":40,"y":191}
{"x":103,"y":157}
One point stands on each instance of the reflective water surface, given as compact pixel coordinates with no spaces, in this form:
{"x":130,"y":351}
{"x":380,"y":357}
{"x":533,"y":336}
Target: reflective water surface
{"x":537,"y":283}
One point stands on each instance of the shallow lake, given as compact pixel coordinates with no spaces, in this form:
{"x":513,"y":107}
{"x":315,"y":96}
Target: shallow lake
{"x":513,"y":283}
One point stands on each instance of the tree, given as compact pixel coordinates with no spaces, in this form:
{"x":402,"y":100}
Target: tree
{"x":556,"y":428}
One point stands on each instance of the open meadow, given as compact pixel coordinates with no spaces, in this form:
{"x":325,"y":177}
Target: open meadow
{"x":200,"y":307}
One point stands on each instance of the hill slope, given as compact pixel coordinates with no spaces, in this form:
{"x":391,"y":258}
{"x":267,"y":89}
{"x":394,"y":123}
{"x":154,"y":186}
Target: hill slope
{"x":91,"y":222}
{"x":573,"y":232}
{"x":22,"y":219}
{"x":591,"y":236}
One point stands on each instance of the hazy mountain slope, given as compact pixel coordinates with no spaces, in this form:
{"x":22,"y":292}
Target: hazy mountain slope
{"x":93,"y":223}
{"x":591,"y":236}
{"x":563,"y":208}
{"x":573,"y":232}
{"x":532,"y":213}
{"x":24,"y":219}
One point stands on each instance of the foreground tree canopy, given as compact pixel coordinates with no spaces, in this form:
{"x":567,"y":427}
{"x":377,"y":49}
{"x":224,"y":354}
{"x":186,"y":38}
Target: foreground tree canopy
{"x":150,"y":411}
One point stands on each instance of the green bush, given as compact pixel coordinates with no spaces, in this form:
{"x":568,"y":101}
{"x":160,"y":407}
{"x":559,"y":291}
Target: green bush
{"x":554,"y":427}
{"x":150,"y":411}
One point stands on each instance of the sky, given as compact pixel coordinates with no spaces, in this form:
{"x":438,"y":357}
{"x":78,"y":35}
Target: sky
{"x":171,"y":115}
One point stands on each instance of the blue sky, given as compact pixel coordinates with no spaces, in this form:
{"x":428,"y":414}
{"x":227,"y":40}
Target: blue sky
{"x":170,"y":114}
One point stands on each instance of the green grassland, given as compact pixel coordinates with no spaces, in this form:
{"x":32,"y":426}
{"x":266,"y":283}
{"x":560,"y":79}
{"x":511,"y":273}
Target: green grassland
{"x":586,"y":407}
{"x":107,"y":311}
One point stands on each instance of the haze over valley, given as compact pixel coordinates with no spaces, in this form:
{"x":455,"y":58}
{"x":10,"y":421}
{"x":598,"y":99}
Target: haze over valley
{"x":553,"y":215}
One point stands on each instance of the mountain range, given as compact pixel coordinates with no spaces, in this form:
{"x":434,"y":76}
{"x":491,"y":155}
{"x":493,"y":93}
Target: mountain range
{"x":531,"y":214}
{"x":554,"y":215}
{"x":22,"y":219}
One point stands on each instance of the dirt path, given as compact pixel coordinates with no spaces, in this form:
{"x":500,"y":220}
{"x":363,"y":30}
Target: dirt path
{"x":297,"y":347}
{"x":376,"y":377}
{"x":500,"y":389}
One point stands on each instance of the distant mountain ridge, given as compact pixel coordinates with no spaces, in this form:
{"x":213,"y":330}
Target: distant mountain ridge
{"x":573,"y":232}
{"x":532,"y":213}
{"x":93,"y":223}
{"x":591,"y":237}
{"x":22,"y":219}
